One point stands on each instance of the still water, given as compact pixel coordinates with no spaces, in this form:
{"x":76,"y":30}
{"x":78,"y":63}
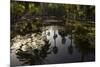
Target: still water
{"x":62,"y":49}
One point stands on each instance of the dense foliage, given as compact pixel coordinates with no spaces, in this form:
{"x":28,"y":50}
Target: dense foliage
{"x":28,"y":16}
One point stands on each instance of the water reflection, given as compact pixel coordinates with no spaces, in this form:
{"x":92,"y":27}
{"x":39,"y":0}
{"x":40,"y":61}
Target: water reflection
{"x":70,"y":47}
{"x":34,"y":58}
{"x":61,"y":47}
{"x":55,"y":48}
{"x":63,"y":34}
{"x":63,"y":40}
{"x":83,"y":44}
{"x":48,"y":33}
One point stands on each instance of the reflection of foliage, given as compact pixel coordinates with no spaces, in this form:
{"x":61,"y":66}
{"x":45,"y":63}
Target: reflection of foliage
{"x":82,"y":40}
{"x":36,"y":57}
{"x":26,"y":18}
{"x":70,"y":47}
{"x":80,"y":30}
{"x":55,"y":48}
{"x":84,"y":46}
{"x":62,"y":33}
{"x":63,"y":40}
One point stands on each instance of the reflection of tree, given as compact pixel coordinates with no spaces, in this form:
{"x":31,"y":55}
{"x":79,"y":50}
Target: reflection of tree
{"x":62,"y":34}
{"x":48,"y":34}
{"x":82,"y":42}
{"x":84,"y":47}
{"x":36,"y":57}
{"x":63,"y":40}
{"x":55,"y":35}
{"x":30,"y":59}
{"x":55,"y":48}
{"x":70,"y":48}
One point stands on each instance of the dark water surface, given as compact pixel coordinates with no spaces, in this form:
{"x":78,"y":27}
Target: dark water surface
{"x":62,"y":49}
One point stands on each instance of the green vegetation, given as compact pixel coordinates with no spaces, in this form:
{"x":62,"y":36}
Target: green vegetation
{"x":70,"y":23}
{"x":27,"y":17}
